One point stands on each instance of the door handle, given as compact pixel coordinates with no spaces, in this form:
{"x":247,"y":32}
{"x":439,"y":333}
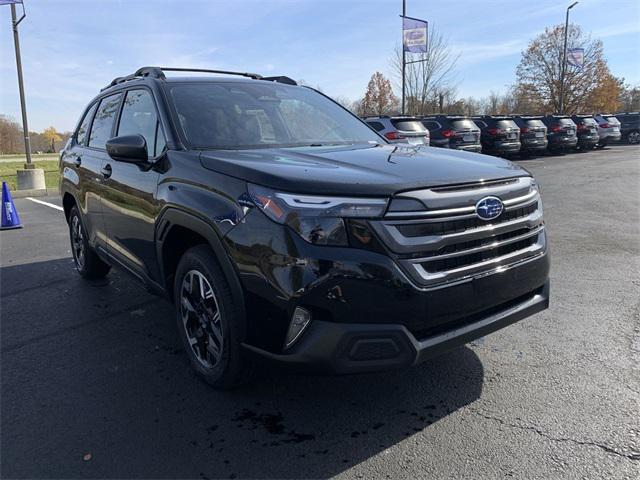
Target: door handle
{"x":106,"y":171}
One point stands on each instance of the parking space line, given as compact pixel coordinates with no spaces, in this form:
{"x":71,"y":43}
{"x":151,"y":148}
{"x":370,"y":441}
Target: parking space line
{"x":45,"y":203}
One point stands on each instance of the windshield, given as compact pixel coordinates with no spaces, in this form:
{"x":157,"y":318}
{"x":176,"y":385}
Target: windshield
{"x":233,"y":115}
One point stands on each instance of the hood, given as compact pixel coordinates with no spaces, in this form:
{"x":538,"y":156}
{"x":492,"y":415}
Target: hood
{"x":381,"y":170}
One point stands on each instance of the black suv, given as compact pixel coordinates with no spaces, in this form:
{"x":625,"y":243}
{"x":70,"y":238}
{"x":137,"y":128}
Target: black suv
{"x":533,"y":134}
{"x":630,"y":127}
{"x":453,"y":131}
{"x":561,"y":132}
{"x":499,"y":134}
{"x":587,"y":131}
{"x":283,"y":227}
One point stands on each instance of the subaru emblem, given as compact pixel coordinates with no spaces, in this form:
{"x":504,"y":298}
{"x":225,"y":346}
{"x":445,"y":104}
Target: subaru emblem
{"x":489,"y":208}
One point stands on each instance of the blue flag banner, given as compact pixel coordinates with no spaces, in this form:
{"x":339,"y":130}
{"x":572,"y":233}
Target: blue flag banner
{"x":575,"y":57}
{"x":7,"y":2}
{"x":414,"y":35}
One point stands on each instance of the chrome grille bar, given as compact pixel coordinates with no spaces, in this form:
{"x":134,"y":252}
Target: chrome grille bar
{"x":447,"y":241}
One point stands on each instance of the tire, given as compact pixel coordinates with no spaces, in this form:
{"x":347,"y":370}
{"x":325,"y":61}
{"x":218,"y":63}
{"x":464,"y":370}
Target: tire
{"x":209,"y":321}
{"x":87,"y":262}
{"x":633,"y":138}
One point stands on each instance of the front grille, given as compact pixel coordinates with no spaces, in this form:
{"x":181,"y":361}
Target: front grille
{"x":444,"y":264}
{"x":456,"y":226}
{"x":447,"y":242}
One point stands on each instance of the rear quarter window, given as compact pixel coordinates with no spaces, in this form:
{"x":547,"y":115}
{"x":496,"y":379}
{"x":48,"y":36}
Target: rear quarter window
{"x":81,"y":133}
{"x":377,"y":126}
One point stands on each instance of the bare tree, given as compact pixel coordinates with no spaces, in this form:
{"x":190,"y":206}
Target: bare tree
{"x":429,"y":84}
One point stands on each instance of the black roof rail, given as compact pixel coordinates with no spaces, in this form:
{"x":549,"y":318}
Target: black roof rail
{"x":158,"y":72}
{"x":280,"y":79}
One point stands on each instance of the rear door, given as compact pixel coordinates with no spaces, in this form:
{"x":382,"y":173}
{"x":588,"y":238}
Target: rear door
{"x":80,"y":175}
{"x":129,"y":202}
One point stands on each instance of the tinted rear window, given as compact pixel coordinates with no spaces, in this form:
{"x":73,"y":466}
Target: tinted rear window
{"x":566,"y":122}
{"x":588,"y":121}
{"x":534,"y":123}
{"x":464,"y":125}
{"x":613,"y":120}
{"x":506,"y":124}
{"x":408,"y":125}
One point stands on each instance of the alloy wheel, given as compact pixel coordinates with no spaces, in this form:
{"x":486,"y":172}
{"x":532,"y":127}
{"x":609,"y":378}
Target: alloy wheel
{"x":634,"y":138}
{"x":201,"y":318}
{"x":77,"y":242}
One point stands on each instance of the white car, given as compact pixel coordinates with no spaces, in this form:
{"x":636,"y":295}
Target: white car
{"x":400,"y":129}
{"x":608,"y":129}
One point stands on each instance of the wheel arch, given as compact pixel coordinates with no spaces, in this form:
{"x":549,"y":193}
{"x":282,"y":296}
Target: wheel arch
{"x":176,"y":232}
{"x":68,"y":202}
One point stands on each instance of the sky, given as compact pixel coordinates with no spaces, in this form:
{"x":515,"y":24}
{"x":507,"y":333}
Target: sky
{"x":72,"y":48}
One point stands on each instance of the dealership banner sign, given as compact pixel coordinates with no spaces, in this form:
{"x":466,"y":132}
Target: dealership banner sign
{"x":414,"y":35}
{"x":575,"y":57}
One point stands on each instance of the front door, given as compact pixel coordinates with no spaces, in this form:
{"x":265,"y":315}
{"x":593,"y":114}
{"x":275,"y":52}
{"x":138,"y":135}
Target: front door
{"x":129,"y":203}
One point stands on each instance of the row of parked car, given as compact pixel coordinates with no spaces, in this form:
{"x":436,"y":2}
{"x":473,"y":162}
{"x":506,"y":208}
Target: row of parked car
{"x":511,"y":134}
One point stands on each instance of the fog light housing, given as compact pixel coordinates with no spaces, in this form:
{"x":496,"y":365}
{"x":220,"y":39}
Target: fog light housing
{"x":300,"y":319}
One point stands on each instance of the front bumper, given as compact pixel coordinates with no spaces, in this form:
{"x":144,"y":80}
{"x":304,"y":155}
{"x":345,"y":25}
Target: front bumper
{"x":344,"y":348}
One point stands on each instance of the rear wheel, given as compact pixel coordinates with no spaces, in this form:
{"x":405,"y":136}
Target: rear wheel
{"x":87,"y":262}
{"x":209,"y":321}
{"x":634,"y":137}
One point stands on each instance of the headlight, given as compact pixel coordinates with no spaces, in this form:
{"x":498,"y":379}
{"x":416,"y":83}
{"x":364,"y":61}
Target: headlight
{"x":317,"y":219}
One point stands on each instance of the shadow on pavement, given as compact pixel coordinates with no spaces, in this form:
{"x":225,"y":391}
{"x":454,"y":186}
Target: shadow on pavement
{"x":94,"y":384}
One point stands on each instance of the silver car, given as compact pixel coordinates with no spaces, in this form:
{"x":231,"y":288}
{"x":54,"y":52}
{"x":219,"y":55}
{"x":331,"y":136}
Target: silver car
{"x":608,"y":129}
{"x":400,"y":129}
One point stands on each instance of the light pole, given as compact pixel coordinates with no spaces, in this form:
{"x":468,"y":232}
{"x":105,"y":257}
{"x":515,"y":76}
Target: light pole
{"x":16,"y":41}
{"x":564,"y":58}
{"x":404,"y":55}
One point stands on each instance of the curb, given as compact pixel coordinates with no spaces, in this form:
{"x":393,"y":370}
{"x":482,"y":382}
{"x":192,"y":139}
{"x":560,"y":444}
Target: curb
{"x":43,"y":192}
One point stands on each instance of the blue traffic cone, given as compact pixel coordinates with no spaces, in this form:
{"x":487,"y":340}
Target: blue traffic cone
{"x":10,"y":217}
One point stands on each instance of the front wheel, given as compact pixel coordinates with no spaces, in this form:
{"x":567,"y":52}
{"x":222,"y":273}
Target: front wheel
{"x":87,"y":262}
{"x":211,"y":326}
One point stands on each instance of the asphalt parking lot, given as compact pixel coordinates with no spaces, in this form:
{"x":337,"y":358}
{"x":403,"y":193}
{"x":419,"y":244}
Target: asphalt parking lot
{"x":95,"y":385}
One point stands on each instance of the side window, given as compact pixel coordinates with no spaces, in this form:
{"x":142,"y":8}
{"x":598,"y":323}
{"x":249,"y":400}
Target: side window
{"x":81,"y":133}
{"x":480,"y":123}
{"x":103,"y":121}
{"x":139,"y":118}
{"x":377,"y":126}
{"x":161,"y":142}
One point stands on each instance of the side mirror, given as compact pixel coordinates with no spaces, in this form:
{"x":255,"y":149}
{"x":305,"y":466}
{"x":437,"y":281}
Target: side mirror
{"x":128,"y":148}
